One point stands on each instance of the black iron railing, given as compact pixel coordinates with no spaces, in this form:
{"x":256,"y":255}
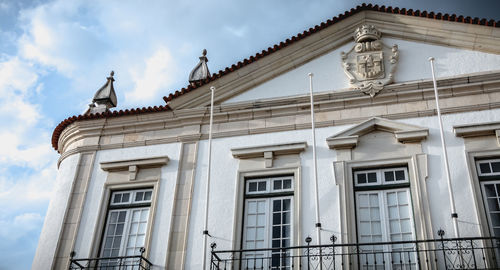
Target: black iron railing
{"x":138,"y":262}
{"x":442,"y":253}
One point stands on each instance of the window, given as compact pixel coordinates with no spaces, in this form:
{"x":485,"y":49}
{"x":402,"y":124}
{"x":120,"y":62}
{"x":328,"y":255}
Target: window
{"x":268,"y":221}
{"x":126,"y":224}
{"x":489,"y":177}
{"x":384,"y":214}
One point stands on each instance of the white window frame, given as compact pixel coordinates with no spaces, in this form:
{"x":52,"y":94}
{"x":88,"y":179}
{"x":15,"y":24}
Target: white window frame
{"x":272,"y":195}
{"x":129,"y":207}
{"x":489,"y":161}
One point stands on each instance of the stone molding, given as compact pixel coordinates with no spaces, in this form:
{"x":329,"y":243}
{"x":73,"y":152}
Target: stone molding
{"x":404,"y":133}
{"x":134,"y":165}
{"x":481,"y":129}
{"x":269,"y":151}
{"x":406,"y":100}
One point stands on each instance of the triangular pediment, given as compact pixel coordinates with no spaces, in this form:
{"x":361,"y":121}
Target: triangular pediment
{"x":404,"y":133}
{"x":262,"y":74}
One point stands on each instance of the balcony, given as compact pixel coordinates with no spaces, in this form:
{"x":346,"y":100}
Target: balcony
{"x":138,"y":262}
{"x":441,"y":253}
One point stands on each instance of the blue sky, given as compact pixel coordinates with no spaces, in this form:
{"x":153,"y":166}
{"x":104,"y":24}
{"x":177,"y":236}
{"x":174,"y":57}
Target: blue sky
{"x":54,"y":55}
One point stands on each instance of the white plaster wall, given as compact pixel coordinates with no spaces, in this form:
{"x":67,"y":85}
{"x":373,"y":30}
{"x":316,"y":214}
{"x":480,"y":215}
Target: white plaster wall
{"x":223,"y":190}
{"x":52,"y":225}
{"x":162,"y":220}
{"x":436,"y":182}
{"x":413,"y":65}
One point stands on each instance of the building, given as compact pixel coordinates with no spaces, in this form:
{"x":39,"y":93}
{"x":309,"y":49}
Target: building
{"x":133,"y":179}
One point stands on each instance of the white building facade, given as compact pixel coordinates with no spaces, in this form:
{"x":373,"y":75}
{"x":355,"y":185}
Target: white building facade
{"x":133,"y":182}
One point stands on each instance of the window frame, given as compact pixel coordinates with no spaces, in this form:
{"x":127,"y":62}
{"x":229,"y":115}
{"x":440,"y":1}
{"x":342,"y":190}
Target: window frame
{"x":129,"y":207}
{"x":269,"y":196}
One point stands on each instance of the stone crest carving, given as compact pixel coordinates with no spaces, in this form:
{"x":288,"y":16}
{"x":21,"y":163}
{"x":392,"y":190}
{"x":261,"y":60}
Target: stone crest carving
{"x":370,"y":64}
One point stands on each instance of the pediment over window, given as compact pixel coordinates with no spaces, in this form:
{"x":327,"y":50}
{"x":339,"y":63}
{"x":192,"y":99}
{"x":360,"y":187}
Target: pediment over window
{"x":404,"y":133}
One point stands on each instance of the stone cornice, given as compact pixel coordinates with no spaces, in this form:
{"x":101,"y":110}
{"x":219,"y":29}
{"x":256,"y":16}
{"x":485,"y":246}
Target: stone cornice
{"x":481,"y":129}
{"x":398,"y":101}
{"x":276,"y":149}
{"x":404,"y":133}
{"x":444,"y":33}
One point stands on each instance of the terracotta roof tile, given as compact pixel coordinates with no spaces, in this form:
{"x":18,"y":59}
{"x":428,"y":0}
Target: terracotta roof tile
{"x":276,"y":47}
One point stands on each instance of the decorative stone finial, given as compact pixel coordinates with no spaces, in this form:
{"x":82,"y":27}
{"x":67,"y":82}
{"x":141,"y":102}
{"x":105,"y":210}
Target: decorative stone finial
{"x":200,"y":72}
{"x":104,"y":98}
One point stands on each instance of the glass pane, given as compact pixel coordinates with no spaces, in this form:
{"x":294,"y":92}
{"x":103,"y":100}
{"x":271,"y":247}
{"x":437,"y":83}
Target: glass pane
{"x":276,"y":205}
{"x":276,"y":231}
{"x":285,"y":231}
{"x":139,"y":196}
{"x":392,"y":198}
{"x":144,"y":215}
{"x":287,"y":183}
{"x":117,"y":198}
{"x":376,"y":227}
{"x":277,"y":184}
{"x":262,"y":186}
{"x":363,"y":200}
{"x":114,"y":217}
{"x":361,"y":178}
{"x":261,"y":220}
{"x":495,"y":166}
{"x":276,"y":243}
{"x":403,"y":197}
{"x":251,"y":220}
{"x":116,"y":243}
{"x":495,"y":219}
{"x":142,"y":228}
{"x":286,"y":218}
{"x":490,"y":190}
{"x":262,"y":207}
{"x":493,"y":204}
{"x":147,"y":195}
{"x":394,"y":226}
{"x":134,"y":228}
{"x":108,"y":242}
{"x":259,"y":234}
{"x":126,"y":197}
{"x":393,"y":212}
{"x":372,"y":177}
{"x":131,"y":241}
{"x":252,"y":186}
{"x":252,"y":207}
{"x":364,"y":214}
{"x":119,"y":229}
{"x":375,"y":213}
{"x":121,"y":217}
{"x":404,"y":211}
{"x":286,"y":205}
{"x":373,"y":199}
{"x":484,"y":167}
{"x":389,"y":176}
{"x":400,"y":175}
{"x":276,"y":218}
{"x":136,"y":215}
{"x":140,"y":241}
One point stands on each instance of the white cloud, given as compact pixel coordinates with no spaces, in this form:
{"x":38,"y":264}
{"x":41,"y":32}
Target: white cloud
{"x":158,"y":73}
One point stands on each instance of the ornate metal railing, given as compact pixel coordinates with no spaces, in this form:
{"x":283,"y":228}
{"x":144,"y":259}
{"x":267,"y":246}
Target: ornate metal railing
{"x":138,"y":262}
{"x":442,"y":253}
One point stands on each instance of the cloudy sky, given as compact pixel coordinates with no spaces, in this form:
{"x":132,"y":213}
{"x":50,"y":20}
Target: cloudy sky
{"x":54,"y":55}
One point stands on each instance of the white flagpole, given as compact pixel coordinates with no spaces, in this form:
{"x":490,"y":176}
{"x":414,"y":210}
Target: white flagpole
{"x":315,"y":169}
{"x":207,"y":195}
{"x":454,"y":215}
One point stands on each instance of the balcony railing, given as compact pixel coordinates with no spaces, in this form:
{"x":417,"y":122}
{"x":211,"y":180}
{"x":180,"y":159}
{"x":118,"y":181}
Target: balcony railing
{"x":442,"y":253}
{"x":138,"y":262}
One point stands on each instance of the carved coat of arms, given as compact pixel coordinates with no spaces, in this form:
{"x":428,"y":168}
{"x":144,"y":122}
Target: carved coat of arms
{"x":370,"y":64}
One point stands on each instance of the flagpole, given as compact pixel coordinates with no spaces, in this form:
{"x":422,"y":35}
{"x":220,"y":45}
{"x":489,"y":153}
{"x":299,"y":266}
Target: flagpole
{"x":454,"y":215}
{"x":207,"y":194}
{"x":315,"y":167}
